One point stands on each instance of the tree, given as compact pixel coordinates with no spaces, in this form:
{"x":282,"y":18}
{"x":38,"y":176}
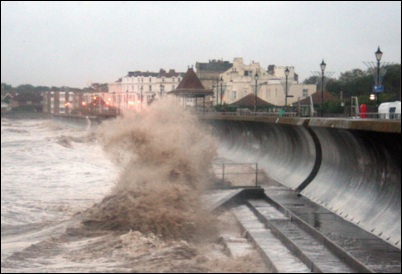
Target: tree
{"x":25,"y":88}
{"x":360,"y":83}
{"x":311,"y":80}
{"x":352,"y":75}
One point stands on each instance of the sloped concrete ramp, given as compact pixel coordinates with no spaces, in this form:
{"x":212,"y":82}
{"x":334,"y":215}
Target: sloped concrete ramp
{"x":215,"y":199}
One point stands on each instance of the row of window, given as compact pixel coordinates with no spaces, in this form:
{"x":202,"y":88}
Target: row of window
{"x":161,"y":88}
{"x":150,"y":79}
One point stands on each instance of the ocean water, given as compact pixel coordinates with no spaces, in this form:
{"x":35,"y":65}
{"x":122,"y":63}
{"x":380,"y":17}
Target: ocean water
{"x":120,"y":197}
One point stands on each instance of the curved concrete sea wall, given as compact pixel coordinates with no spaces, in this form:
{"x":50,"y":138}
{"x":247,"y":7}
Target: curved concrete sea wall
{"x":351,"y":167}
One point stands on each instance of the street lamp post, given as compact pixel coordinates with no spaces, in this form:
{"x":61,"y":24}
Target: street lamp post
{"x":141,"y":98}
{"x":221,"y":80}
{"x":286,"y":87}
{"x":378,"y":55}
{"x":323,"y":65}
{"x":255,"y":97}
{"x":126,"y":99}
{"x":217,"y":91}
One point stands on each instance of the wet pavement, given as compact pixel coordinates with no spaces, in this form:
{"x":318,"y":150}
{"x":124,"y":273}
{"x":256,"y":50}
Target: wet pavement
{"x":363,"y":249}
{"x":294,"y":234}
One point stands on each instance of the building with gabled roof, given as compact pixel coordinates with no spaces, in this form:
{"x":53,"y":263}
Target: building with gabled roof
{"x":316,"y":98}
{"x":243,"y":79}
{"x":190,"y":90}
{"x":27,"y":100}
{"x":250,"y":101}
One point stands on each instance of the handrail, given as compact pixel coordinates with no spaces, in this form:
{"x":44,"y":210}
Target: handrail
{"x":223,"y":171}
{"x":367,"y":115}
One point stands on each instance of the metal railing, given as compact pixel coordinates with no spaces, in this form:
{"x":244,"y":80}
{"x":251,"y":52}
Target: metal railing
{"x":368,"y":115}
{"x":255,"y":114}
{"x":376,"y":115}
{"x":237,"y":174}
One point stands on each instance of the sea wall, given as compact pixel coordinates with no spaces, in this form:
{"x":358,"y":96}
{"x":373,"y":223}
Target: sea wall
{"x":351,"y":167}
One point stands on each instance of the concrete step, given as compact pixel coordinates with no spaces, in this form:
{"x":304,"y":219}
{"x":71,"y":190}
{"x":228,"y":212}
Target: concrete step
{"x":277,"y":256}
{"x":313,"y":253}
{"x":236,"y":246}
{"x":362,"y":250}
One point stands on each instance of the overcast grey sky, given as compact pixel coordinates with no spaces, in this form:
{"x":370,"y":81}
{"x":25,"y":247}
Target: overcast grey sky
{"x":76,"y":43}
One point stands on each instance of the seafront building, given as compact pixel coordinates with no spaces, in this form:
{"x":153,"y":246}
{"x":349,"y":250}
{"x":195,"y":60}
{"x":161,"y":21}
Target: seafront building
{"x":128,"y":90}
{"x":228,"y":83}
{"x":209,"y":73}
{"x":64,"y":102}
{"x":192,"y":93}
{"x":268,"y":84}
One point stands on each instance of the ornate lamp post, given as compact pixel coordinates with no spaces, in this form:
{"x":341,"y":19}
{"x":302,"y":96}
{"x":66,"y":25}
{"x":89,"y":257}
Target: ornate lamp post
{"x":221,"y":81}
{"x":255,"y":97}
{"x":126,"y":99}
{"x":322,"y":65}
{"x":286,"y":87}
{"x":378,"y":55}
{"x":161,"y":90}
{"x":217,"y":91}
{"x":141,"y":98}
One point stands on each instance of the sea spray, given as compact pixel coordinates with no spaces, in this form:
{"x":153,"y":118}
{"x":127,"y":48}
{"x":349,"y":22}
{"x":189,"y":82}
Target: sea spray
{"x":40,"y":234}
{"x":165,"y":156}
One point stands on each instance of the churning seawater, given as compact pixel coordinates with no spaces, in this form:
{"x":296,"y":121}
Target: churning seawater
{"x":122,"y":197}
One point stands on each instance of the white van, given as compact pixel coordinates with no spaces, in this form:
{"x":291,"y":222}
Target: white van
{"x":390,"y":110}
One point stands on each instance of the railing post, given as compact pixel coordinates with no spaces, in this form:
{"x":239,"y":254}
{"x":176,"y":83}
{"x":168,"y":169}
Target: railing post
{"x":256,"y":174}
{"x":223,"y":173}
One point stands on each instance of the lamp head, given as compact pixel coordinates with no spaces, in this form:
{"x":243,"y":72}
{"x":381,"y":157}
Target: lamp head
{"x":323,"y":65}
{"x":378,"y":54}
{"x":287,"y":71}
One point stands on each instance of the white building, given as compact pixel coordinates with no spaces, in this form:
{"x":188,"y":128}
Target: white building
{"x":127,"y":91}
{"x":270,"y":85}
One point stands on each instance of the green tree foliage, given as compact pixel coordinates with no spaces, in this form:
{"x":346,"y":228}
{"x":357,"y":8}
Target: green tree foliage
{"x":311,"y":80}
{"x":39,"y":89}
{"x":25,"y":88}
{"x":360,"y":83}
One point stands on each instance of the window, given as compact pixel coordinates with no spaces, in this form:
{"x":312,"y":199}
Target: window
{"x":150,"y":87}
{"x":305,"y":92}
{"x":248,"y":73}
{"x":150,"y":79}
{"x":234,"y":95}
